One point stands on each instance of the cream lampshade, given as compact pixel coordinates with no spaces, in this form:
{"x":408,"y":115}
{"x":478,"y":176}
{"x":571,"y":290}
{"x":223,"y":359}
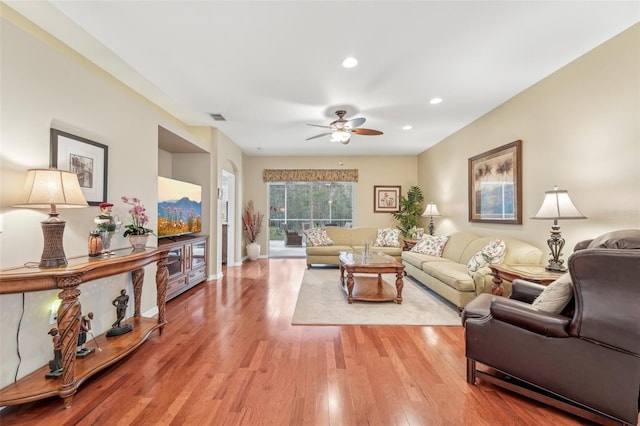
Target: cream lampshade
{"x":557,"y":205}
{"x":431,"y":211}
{"x":52,"y":188}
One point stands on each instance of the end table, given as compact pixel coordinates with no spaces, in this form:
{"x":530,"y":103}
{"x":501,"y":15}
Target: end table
{"x":534,"y":273}
{"x":408,"y":244}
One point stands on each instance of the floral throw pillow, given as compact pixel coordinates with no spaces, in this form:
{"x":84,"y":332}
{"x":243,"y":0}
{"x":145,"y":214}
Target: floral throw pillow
{"x":318,"y":237}
{"x":490,"y":254}
{"x":431,"y":245}
{"x":388,"y":237}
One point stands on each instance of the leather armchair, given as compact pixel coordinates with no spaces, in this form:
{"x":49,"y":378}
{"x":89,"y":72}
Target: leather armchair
{"x":585,"y":360}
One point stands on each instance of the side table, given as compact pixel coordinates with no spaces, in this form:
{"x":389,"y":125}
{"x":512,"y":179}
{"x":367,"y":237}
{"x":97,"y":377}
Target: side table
{"x":534,"y":273}
{"x":408,"y":244}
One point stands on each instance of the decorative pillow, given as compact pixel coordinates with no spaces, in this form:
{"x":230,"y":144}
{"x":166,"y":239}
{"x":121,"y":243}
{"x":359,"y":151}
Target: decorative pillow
{"x":431,"y":245}
{"x":318,"y":237}
{"x":388,"y":237}
{"x":556,"y":296}
{"x":491,"y":253}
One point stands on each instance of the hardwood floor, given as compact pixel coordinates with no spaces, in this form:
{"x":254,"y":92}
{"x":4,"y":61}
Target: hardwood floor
{"x":230,"y":356}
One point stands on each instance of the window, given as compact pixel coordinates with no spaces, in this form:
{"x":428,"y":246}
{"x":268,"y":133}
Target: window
{"x":294,"y":204}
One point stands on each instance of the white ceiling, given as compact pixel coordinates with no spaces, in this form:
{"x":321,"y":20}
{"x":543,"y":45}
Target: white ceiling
{"x":271,"y":67}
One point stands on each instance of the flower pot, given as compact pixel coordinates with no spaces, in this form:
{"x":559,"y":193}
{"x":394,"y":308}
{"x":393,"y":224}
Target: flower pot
{"x":138,"y":241}
{"x":253,"y":251}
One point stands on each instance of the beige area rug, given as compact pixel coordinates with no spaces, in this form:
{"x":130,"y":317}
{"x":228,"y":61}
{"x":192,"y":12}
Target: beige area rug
{"x":322,"y":301}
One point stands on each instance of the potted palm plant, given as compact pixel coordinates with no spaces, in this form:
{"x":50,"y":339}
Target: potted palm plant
{"x":410,"y":211}
{"x":252,"y":225}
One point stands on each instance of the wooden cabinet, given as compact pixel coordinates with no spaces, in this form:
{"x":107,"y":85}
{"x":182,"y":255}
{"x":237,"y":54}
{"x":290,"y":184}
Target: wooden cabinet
{"x":187,"y":263}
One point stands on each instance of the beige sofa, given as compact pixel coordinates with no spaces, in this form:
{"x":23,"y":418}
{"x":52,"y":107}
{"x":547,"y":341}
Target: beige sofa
{"x":449,"y":276}
{"x":347,"y":240}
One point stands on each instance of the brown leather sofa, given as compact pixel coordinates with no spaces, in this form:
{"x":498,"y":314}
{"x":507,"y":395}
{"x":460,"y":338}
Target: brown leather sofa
{"x":585,"y":360}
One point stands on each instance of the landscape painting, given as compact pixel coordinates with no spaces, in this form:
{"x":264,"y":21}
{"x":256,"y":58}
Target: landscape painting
{"x":495,"y":185}
{"x":179,"y":207}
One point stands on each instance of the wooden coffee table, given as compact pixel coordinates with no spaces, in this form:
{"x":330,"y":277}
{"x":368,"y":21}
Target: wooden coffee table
{"x":370,"y":288}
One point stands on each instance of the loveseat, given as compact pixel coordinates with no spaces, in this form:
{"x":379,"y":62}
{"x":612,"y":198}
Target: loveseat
{"x":343,"y":239}
{"x":448,"y":274}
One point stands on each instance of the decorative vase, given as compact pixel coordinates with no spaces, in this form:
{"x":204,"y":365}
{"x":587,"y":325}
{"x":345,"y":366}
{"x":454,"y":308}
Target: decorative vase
{"x":253,"y":251}
{"x":138,"y":241}
{"x":95,"y":243}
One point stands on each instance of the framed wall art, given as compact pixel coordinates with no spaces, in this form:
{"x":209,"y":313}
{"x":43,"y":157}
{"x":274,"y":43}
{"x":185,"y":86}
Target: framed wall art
{"x":495,"y":185}
{"x":86,"y":158}
{"x":386,"y":199}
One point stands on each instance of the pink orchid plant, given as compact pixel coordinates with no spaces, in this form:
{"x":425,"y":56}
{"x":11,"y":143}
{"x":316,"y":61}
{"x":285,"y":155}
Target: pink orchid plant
{"x":138,"y":218}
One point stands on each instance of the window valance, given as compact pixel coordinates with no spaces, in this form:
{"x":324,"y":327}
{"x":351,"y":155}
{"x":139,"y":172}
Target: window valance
{"x":310,"y":175}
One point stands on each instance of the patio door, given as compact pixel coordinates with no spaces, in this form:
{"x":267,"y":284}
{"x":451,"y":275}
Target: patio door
{"x":294,"y":206}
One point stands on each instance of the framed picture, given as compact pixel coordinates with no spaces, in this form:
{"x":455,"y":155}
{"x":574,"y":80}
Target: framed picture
{"x":386,"y":199}
{"x":495,"y":185}
{"x":85,"y":158}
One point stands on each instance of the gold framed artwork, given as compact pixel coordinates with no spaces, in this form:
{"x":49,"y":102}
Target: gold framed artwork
{"x":495,"y":185}
{"x":386,"y":199}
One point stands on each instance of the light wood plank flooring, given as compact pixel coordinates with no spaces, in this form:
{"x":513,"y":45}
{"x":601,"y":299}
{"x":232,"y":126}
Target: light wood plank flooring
{"x":230,"y":356}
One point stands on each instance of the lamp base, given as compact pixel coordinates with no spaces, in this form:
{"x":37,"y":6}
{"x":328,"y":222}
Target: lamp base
{"x":555,"y":267}
{"x":555,"y":243}
{"x":53,"y":253}
{"x":432,"y":226}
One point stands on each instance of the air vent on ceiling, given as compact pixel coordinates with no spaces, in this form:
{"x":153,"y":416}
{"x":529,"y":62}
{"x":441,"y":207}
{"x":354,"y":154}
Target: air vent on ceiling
{"x":218,"y":117}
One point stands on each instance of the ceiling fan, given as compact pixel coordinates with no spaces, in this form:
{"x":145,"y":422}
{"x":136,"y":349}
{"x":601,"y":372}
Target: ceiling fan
{"x":341,"y":129}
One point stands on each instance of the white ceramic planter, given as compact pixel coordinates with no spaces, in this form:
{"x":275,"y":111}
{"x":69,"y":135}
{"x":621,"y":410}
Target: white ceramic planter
{"x":253,"y":251}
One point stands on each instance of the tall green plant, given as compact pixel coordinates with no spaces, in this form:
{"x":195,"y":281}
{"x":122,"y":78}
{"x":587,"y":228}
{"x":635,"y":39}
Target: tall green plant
{"x":410,"y":211}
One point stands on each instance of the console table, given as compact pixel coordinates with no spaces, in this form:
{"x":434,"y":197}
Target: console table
{"x":80,"y":270}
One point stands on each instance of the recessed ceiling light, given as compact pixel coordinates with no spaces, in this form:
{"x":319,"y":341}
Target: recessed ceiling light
{"x":407,"y":127}
{"x":350,"y":62}
{"x":435,"y":101}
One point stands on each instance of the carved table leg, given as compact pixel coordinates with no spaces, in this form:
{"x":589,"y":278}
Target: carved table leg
{"x":399,"y":286}
{"x":68,"y":327}
{"x":349,"y":286}
{"x":497,"y":288}
{"x":137,"y":276}
{"x":162,"y":278}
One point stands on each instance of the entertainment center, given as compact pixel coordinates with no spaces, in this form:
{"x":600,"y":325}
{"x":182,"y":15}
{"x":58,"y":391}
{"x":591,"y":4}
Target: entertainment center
{"x":187,"y":263}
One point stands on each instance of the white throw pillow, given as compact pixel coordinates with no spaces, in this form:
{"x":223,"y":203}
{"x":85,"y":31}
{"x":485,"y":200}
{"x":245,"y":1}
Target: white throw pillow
{"x":489,"y":254}
{"x":318,"y":237}
{"x":388,"y":237}
{"x":432,"y":245}
{"x":556,"y":296}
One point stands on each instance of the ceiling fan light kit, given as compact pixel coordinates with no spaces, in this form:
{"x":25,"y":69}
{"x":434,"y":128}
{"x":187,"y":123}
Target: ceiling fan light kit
{"x":341,"y":129}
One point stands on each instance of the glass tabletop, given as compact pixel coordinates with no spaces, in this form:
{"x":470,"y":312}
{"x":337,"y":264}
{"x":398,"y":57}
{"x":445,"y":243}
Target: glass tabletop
{"x":356,"y":258}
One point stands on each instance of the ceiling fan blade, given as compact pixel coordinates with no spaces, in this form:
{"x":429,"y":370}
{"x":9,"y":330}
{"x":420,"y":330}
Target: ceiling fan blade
{"x":355,"y":122}
{"x":318,"y":136}
{"x":366,"y":132}
{"x":319,"y":125}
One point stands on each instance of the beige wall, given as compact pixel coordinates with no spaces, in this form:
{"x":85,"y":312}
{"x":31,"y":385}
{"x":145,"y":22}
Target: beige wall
{"x":400,"y":170}
{"x":45,"y":84}
{"x":580,"y":129}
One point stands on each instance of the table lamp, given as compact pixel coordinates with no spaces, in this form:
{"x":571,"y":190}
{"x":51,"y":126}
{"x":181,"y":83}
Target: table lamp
{"x":431,"y":211}
{"x":557,"y":205}
{"x":52,"y":188}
